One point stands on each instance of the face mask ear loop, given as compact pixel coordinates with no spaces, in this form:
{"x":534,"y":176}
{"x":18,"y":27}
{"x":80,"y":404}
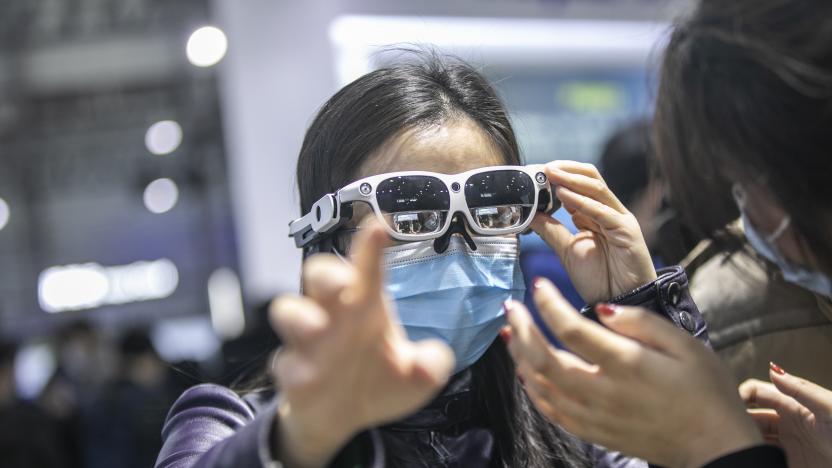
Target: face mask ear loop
{"x":339,"y":255}
{"x":781,"y":228}
{"x":457,"y":226}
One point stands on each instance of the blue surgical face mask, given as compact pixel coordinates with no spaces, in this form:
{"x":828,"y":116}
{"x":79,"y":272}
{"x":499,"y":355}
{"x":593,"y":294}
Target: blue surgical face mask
{"x":456,"y":296}
{"x":814,"y":281}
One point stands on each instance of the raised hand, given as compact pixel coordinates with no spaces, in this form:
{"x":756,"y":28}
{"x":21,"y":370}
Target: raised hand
{"x":608,"y":255}
{"x":793,"y":413}
{"x":346,"y":363}
{"x":638,"y":385}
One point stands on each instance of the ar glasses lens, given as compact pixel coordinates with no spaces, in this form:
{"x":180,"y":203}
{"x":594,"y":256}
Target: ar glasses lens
{"x":413,"y":204}
{"x":498,"y":217}
{"x":500,"y":199}
{"x":415,"y":222}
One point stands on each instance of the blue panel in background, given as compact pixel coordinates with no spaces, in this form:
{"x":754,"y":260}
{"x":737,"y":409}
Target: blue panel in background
{"x":569,"y":115}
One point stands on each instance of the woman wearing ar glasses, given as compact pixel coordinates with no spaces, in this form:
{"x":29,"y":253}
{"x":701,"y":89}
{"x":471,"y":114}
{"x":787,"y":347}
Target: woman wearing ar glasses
{"x":413,"y":197}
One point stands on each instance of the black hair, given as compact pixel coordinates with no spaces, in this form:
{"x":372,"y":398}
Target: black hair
{"x":746,"y":95}
{"x":426,"y":92}
{"x":378,"y":106}
{"x":523,"y":436}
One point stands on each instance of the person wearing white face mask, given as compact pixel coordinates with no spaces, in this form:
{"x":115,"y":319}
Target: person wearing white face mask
{"x":760,"y":306}
{"x":767,"y":245}
{"x":745,"y":101}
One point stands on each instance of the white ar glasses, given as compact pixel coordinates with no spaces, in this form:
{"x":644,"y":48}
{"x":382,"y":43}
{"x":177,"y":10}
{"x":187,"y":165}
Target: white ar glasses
{"x":418,"y":205}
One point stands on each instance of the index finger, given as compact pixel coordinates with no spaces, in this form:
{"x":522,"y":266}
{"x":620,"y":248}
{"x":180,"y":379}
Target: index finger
{"x":367,"y":254}
{"x":592,"y":186}
{"x":814,"y":397}
{"x":584,"y":337}
{"x":586,"y":169}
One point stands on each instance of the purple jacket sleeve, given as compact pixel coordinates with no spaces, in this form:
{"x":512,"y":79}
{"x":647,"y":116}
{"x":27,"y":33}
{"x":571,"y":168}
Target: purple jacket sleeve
{"x":210,"y":426}
{"x":667,"y":296}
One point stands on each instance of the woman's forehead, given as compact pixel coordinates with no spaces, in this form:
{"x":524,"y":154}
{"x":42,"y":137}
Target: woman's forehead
{"x":456,"y":146}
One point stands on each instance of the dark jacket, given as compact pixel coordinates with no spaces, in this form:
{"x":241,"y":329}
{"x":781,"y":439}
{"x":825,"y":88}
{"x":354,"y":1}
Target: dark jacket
{"x":212,"y":427}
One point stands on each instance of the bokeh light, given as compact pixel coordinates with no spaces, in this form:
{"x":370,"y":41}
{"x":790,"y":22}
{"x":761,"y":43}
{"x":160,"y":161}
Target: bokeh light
{"x":161,"y":195}
{"x":206,"y":46}
{"x":5,"y":213}
{"x":163,"y":137}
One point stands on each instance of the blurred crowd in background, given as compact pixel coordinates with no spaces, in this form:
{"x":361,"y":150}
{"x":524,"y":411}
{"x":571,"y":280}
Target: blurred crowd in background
{"x":105,"y":400}
{"x":103,"y":405}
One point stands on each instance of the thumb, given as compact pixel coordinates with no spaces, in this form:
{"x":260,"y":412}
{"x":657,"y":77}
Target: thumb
{"x":815,"y":398}
{"x":646,"y":327}
{"x":432,"y":364}
{"x":555,"y":234}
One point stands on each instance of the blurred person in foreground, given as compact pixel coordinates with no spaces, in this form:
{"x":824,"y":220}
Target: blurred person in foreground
{"x":756,"y":316}
{"x":744,"y":108}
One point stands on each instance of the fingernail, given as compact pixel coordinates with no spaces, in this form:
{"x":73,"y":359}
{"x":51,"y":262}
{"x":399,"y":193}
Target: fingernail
{"x":505,"y":334}
{"x":537,"y":283}
{"x":507,"y":307}
{"x":607,"y":310}
{"x":776,"y":369}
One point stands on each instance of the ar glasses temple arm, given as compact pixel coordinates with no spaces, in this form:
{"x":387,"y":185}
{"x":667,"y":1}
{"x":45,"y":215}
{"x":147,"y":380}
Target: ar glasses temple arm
{"x":326,"y":215}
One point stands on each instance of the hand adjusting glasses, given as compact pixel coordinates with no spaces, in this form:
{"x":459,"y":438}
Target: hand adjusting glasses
{"x":418,"y":205}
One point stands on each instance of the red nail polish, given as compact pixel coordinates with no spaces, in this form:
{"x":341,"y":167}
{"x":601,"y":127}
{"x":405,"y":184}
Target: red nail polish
{"x":505,"y":334}
{"x":776,"y":369}
{"x":537,"y":282}
{"x":607,"y":310}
